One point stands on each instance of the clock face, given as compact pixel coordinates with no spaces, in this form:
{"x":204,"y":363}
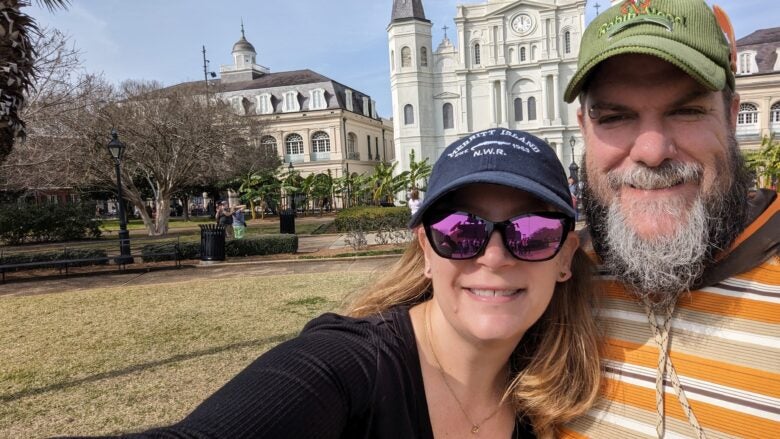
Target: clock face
{"x":522,"y":24}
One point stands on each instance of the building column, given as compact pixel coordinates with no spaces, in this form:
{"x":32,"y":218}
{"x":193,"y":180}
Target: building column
{"x":542,"y":110}
{"x":556,"y":101}
{"x":559,"y":151}
{"x":493,"y":108}
{"x":503,"y":102}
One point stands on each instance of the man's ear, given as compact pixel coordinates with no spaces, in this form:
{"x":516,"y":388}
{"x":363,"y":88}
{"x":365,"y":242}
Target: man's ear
{"x":422,"y":241}
{"x":566,"y":255}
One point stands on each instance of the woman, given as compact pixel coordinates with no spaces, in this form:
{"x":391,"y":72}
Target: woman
{"x":414,"y":200}
{"x":482,"y":329}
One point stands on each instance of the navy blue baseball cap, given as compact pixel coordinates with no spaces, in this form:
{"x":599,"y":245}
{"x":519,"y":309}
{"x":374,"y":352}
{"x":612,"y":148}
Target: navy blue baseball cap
{"x":499,"y":156}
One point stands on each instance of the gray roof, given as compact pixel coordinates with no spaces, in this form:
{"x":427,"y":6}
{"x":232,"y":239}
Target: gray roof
{"x":243,"y":44}
{"x":764,"y":42}
{"x":408,"y":10}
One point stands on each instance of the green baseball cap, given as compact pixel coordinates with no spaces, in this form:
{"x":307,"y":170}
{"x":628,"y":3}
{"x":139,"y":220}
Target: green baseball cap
{"x":685,"y":33}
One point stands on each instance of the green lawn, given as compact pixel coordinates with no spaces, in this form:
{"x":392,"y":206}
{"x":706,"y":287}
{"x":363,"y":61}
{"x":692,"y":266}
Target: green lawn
{"x":190,"y":228}
{"x":121,"y":359}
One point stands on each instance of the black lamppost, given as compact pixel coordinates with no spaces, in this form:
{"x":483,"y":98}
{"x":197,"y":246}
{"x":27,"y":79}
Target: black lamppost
{"x":116,"y":149}
{"x":346,"y":174}
{"x":290,"y":169}
{"x":574,"y":170}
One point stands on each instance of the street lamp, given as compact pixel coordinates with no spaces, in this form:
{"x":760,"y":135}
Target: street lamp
{"x":116,"y":149}
{"x":290,"y":169}
{"x":574,"y":170}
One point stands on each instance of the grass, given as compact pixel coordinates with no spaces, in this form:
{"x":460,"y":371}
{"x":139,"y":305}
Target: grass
{"x":114,"y":360}
{"x":189,"y":229}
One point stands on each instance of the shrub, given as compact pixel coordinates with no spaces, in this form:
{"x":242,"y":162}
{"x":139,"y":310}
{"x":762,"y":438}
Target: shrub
{"x":254,"y":246}
{"x":47,"y":223}
{"x":372,"y":218}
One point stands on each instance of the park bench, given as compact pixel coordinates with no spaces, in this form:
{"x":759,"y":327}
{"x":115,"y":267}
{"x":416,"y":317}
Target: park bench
{"x":74,"y":256}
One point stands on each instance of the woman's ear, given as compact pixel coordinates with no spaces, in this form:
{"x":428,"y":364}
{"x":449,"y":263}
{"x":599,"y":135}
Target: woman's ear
{"x":566,"y":255}
{"x":422,"y":240}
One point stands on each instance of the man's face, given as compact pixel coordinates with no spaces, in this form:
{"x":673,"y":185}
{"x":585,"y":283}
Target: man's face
{"x":660,"y":163}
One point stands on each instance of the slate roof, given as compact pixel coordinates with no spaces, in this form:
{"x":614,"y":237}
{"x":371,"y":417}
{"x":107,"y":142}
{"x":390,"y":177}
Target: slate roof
{"x":408,"y":10}
{"x":764,"y":42}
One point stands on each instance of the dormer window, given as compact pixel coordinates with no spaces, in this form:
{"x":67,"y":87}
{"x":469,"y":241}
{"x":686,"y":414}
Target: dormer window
{"x":317,"y":99}
{"x":264,"y":105}
{"x":235,"y":104}
{"x":747,"y":63}
{"x":373,"y":110}
{"x":366,"y":107}
{"x":291,"y":102}
{"x":348,"y":99}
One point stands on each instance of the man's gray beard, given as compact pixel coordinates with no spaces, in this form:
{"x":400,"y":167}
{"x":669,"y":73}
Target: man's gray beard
{"x":664,"y":267}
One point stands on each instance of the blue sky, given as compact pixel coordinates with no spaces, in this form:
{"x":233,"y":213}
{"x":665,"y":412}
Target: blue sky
{"x":345,"y":40}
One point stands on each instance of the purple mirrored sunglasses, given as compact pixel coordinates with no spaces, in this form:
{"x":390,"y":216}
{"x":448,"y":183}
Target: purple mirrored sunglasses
{"x":536,"y":236}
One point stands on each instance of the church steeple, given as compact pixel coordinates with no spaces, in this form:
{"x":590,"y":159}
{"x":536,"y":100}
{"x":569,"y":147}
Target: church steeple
{"x":408,"y":10}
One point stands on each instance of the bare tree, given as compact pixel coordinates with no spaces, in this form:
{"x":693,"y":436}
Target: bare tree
{"x":17,"y":70}
{"x":54,"y":105}
{"x":175,"y":138}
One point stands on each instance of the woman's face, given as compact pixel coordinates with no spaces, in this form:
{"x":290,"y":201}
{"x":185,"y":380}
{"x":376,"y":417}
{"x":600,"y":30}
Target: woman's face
{"x":494,"y":297}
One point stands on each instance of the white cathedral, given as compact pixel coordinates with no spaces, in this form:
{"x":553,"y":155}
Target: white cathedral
{"x":509,"y":65}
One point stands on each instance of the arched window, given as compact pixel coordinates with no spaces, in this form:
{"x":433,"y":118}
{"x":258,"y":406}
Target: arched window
{"x":406,"y":57}
{"x":408,"y":114}
{"x":477,"y":55}
{"x":268,"y":145}
{"x":446,"y":110}
{"x":774,"y":113}
{"x":294,"y":144}
{"x":423,"y":57}
{"x":748,"y":114}
{"x":567,"y":42}
{"x":522,"y":54}
{"x":532,"y":108}
{"x":533,"y":53}
{"x":518,"y":109}
{"x":320,"y":142}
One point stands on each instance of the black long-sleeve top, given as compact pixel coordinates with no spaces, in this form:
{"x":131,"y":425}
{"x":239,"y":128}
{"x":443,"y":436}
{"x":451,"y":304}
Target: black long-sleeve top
{"x":340,"y":378}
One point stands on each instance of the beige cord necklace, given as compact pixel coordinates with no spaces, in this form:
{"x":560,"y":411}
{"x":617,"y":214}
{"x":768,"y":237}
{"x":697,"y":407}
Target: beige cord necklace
{"x":475,"y":426}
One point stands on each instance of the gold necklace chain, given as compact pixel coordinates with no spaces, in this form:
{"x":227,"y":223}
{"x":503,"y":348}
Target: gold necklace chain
{"x":475,"y":426}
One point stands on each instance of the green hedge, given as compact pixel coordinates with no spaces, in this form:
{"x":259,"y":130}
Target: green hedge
{"x":250,"y":246}
{"x":47,"y":223}
{"x":368,"y":218}
{"x":21,"y":258}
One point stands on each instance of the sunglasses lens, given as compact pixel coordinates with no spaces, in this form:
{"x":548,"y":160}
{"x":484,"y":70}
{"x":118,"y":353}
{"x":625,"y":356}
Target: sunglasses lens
{"x":535,"y":237}
{"x":458,"y":235}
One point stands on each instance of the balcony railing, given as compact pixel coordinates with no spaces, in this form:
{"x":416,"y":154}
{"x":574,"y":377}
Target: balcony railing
{"x":353,"y":156}
{"x":320,"y":156}
{"x":293,"y":158}
{"x":748,"y":131}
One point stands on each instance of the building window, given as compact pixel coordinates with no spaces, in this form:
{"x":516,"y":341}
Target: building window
{"x":366,"y":107}
{"x":477,"y":55}
{"x":406,"y":57}
{"x":522,"y":54}
{"x":348,"y":99}
{"x":408,"y":114}
{"x":368,"y":145}
{"x":567,"y":42}
{"x":518,"y":109}
{"x":291,"y":101}
{"x":748,"y":114}
{"x":317,"y":99}
{"x":264,"y":104}
{"x":532,"y":108}
{"x":774,"y":113}
{"x":268,"y":145}
{"x":294,"y":144}
{"x":320,"y":142}
{"x":745,"y":63}
{"x":235,"y":103}
{"x":446,"y":110}
{"x":352,"y":147}
{"x":423,"y":57}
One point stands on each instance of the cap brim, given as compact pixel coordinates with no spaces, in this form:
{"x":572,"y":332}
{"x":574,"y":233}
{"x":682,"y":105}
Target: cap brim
{"x":691,"y":61}
{"x":493,"y":177}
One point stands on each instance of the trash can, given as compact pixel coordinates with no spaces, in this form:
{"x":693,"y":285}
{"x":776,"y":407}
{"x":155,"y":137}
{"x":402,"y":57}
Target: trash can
{"x":212,"y":242}
{"x":287,"y":221}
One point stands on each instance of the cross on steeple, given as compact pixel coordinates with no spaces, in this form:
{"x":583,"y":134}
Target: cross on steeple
{"x":242,"y":28}
{"x":597,"y":6}
{"x":445,"y":31}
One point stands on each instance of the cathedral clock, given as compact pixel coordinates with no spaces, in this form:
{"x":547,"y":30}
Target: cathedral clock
{"x":522,"y":24}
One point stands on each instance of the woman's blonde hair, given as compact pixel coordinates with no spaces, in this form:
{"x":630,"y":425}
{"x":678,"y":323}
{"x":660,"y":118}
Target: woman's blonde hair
{"x":556,"y":366}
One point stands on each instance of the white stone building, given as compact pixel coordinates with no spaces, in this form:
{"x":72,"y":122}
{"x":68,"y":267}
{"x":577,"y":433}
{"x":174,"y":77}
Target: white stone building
{"x":507,"y":67}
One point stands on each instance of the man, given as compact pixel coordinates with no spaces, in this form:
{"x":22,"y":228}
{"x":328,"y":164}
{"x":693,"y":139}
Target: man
{"x":692,"y":274}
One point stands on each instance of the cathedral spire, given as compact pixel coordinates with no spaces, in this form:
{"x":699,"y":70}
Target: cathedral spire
{"x":408,"y":10}
{"x":242,"y":28}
